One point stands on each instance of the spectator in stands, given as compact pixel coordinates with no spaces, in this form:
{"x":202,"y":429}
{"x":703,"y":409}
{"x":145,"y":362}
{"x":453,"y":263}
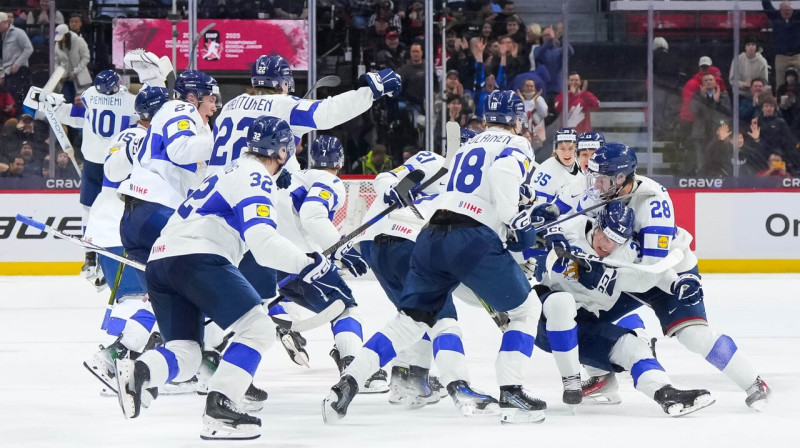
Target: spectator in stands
{"x":360,"y":11}
{"x":475,"y":123}
{"x":777,"y":167}
{"x":536,"y":111}
{"x":41,"y":16}
{"x":72,"y":53}
{"x":453,"y":87}
{"x":376,"y":161}
{"x":718,"y":156}
{"x":788,"y":100}
{"x":384,"y":10}
{"x":462,"y":61}
{"x":33,"y":167}
{"x":8,"y":108}
{"x":709,"y":106}
{"x":750,"y":106}
{"x":29,"y":130}
{"x":516,"y":61}
{"x":393,"y":54}
{"x":375,"y":37}
{"x":16,"y":169}
{"x":775,"y":133}
{"x":533,"y":38}
{"x":550,"y":54}
{"x":785,"y":32}
{"x":413,"y":22}
{"x":16,"y":49}
{"x":487,"y":32}
{"x":695,"y":83}
{"x":515,"y":28}
{"x":485,"y":79}
{"x":408,"y":152}
{"x":581,"y":103}
{"x":751,"y":66}
{"x":500,"y":20}
{"x":455,"y":109}
{"x":413,"y":75}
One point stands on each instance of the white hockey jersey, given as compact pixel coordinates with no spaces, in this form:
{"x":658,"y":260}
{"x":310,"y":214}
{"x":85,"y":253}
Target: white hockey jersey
{"x":550,"y":177}
{"x":173,"y":158}
{"x":303,"y":116}
{"x":562,"y":275}
{"x":102,"y":226}
{"x":404,"y":223}
{"x":228,"y":214}
{"x":102,"y":117}
{"x":484,"y":178}
{"x":307,"y":208}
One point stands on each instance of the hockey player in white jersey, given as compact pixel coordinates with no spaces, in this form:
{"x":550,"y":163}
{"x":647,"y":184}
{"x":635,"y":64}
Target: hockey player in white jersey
{"x":171,"y":162}
{"x":676,"y":299}
{"x":108,"y":109}
{"x":191,"y":272}
{"x":464,"y":242}
{"x":559,"y":170}
{"x":131,"y":320}
{"x":579,"y":335}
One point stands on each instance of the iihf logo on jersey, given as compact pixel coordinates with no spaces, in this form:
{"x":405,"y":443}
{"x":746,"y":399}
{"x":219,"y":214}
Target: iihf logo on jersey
{"x":401,"y":229}
{"x":470,"y":207}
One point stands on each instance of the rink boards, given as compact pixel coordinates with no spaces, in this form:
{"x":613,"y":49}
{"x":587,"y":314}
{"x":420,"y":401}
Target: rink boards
{"x":735,"y":230}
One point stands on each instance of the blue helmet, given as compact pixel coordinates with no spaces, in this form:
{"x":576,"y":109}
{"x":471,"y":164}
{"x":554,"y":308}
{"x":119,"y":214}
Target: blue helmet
{"x":267,"y":135}
{"x":107,"y":82}
{"x":504,"y":107}
{"x":273,"y":72}
{"x":326,"y":152}
{"x":466,"y":134}
{"x":616,"y":221}
{"x":565,"y":135}
{"x":198,"y":83}
{"x":611,"y":167}
{"x":149,"y":100}
{"x":591,"y":140}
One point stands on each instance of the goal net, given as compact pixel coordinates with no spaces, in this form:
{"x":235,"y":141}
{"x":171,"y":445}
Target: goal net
{"x":360,"y":196}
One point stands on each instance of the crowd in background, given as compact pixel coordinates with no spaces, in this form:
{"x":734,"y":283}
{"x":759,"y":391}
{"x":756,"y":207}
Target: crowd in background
{"x":488,"y":45}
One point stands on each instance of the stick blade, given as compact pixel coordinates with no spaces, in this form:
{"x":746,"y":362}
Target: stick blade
{"x":323,"y":317}
{"x":453,"y":131}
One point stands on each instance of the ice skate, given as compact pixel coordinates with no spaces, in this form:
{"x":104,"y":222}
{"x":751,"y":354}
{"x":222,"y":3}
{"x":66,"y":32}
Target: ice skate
{"x":101,"y":364}
{"x":437,"y":387}
{"x":254,"y":399}
{"x":758,"y":395}
{"x":334,"y":407}
{"x":294,"y":343}
{"x":602,"y":389}
{"x":676,"y":402}
{"x":378,"y":383}
{"x":398,"y":386}
{"x":471,"y":402}
{"x":132,"y":377}
{"x":222,"y":421}
{"x":516,"y":406}
{"x":418,"y":388}
{"x":573,"y":394}
{"x":207,"y":368}
{"x":92,"y":271}
{"x":182,"y":388}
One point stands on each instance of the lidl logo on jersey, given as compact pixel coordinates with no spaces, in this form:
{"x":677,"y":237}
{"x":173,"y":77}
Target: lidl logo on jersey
{"x":113,"y":150}
{"x":663,"y":242}
{"x":325,"y":194}
{"x":183,"y":125}
{"x":399,"y":169}
{"x":263,"y":211}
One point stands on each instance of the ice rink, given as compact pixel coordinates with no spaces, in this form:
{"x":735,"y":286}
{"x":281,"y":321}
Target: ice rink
{"x":50,"y":325}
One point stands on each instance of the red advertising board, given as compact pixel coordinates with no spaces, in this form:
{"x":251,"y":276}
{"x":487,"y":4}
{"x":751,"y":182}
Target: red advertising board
{"x":228,"y":45}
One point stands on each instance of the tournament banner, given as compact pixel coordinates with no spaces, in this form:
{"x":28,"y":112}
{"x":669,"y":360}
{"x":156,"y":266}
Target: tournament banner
{"x":28,"y":251}
{"x":229,"y":45}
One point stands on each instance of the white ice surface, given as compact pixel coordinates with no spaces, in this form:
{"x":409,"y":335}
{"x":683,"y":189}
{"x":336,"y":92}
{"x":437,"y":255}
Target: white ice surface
{"x":49,"y":326}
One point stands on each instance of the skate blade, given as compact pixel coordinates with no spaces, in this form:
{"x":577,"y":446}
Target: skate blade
{"x":700,"y":402}
{"x":216,"y":430}
{"x":471,"y":410}
{"x":248,"y":406}
{"x":107,"y":381}
{"x":329,"y":415}
{"x":379,"y":388}
{"x":606,"y":399}
{"x":178,"y":389}
{"x":760,"y":405}
{"x":297,"y":357}
{"x":515,"y":416}
{"x":122,"y":373}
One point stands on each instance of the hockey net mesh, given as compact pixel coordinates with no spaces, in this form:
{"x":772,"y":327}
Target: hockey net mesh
{"x":360,"y":196}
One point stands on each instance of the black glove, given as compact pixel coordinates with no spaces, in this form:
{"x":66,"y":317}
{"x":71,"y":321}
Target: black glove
{"x":284,"y":179}
{"x":354,"y":263}
{"x":687,"y":287}
{"x":597,"y":277}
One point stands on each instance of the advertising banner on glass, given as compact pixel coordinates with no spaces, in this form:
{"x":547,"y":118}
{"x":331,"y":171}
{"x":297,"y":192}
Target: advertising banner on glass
{"x":229,"y":45}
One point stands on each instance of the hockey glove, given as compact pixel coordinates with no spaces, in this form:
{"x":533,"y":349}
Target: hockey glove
{"x":547,"y":212}
{"x":392,"y":197}
{"x":687,"y":287}
{"x":524,"y":219}
{"x":526,"y":195}
{"x":317,"y":269}
{"x":597,"y":277}
{"x":554,"y":239}
{"x":284,"y":179}
{"x":342,"y":250}
{"x":354,"y":263}
{"x":385,"y":82}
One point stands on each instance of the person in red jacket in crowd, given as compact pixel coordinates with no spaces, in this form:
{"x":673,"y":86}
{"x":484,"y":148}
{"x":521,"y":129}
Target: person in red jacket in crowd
{"x":581,"y":103}
{"x":8,"y":108}
{"x":694,"y":84}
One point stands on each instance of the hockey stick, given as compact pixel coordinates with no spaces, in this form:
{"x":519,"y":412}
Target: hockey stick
{"x":325,"y":81}
{"x":593,"y":207}
{"x":50,"y":114}
{"x":672,"y":259}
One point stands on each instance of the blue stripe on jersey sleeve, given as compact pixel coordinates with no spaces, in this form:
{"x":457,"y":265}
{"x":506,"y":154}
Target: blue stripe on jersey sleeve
{"x":172,"y":138}
{"x":563,"y":207}
{"x":298,"y":197}
{"x":126,"y":122}
{"x":508,"y":152}
{"x":159,"y":152}
{"x":658,"y":253}
{"x":77,"y":111}
{"x":218,"y":206}
{"x":658,"y":230}
{"x":542,"y":194}
{"x":334,"y":196}
{"x":238,"y":210}
{"x":108,"y":183}
{"x":304,"y":117}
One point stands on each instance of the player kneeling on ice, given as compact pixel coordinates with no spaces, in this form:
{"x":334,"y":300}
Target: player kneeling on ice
{"x":603,"y":345}
{"x":306,"y":214}
{"x":464,"y":243}
{"x":191,"y":273}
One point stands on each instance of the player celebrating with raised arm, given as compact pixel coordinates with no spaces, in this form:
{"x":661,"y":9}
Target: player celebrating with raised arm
{"x":676,"y":299}
{"x":465,"y":243}
{"x":192,"y":272}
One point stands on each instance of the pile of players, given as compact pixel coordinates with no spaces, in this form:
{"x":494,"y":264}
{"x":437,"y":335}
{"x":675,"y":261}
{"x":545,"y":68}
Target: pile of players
{"x":226,"y":222}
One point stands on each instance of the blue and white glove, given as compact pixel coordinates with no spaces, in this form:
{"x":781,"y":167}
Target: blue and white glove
{"x":342,"y":250}
{"x":554,"y":237}
{"x":284,"y":179}
{"x":547,"y":212}
{"x":524,"y":219}
{"x":687,"y":287}
{"x":317,"y":269}
{"x":354,"y":263}
{"x":526,"y":195}
{"x":392,"y":197}
{"x":597,"y":277}
{"x":384,"y":82}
